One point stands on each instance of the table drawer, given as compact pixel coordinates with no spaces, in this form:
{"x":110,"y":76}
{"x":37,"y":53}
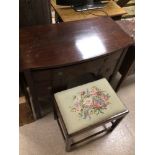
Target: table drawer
{"x":41,"y":75}
{"x":60,"y":77}
{"x":43,"y":88}
{"x":101,"y":66}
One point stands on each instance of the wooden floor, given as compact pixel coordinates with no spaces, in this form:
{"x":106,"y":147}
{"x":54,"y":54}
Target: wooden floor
{"x":43,"y":137}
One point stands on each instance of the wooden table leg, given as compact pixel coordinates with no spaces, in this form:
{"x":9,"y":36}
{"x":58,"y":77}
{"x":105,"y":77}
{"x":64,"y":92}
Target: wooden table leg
{"x":117,"y":67}
{"x":128,"y":65}
{"x":58,"y":18}
{"x":32,"y":95}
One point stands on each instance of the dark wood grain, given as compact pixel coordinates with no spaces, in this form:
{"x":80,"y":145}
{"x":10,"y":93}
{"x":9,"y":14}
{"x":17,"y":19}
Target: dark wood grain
{"x":34,"y":12}
{"x":71,"y":42}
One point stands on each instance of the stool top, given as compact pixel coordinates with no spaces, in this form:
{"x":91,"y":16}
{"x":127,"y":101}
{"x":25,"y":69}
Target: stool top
{"x":88,"y":104}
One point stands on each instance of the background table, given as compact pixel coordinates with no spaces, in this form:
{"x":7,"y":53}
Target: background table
{"x":66,"y":13}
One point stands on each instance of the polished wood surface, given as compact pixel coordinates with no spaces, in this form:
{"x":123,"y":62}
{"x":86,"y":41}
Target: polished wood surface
{"x":67,"y":13}
{"x":128,"y":26}
{"x":70,"y":43}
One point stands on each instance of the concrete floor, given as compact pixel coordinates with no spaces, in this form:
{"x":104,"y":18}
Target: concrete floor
{"x":43,"y":137}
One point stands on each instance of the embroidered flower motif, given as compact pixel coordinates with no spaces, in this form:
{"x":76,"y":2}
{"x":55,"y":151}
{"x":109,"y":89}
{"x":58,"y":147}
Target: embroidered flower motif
{"x":90,"y":102}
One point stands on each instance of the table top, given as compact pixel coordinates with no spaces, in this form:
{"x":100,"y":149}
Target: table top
{"x":69,"y":14}
{"x":70,"y":43}
{"x":128,"y":26}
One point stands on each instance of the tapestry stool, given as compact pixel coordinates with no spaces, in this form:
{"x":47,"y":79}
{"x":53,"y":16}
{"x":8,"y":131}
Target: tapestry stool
{"x":84,"y":108}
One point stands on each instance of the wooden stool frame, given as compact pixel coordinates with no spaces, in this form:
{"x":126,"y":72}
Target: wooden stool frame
{"x":68,"y":138}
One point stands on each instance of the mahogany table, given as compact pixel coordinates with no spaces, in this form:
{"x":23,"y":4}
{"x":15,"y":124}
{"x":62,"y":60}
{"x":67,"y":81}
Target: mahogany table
{"x":52,"y":55}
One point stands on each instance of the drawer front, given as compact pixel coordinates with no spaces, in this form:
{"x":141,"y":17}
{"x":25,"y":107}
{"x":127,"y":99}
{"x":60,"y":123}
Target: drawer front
{"x":43,"y":88}
{"x":110,"y":64}
{"x":41,"y":75}
{"x":44,"y":80}
{"x":101,"y":66}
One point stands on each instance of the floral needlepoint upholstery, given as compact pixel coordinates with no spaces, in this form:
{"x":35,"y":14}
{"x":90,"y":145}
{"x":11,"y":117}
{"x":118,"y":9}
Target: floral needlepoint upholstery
{"x":88,"y":104}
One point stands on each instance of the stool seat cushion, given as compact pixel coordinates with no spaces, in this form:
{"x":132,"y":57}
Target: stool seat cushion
{"x":88,"y":104}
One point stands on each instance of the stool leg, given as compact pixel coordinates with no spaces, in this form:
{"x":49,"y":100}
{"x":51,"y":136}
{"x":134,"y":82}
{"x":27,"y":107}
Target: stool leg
{"x":68,"y":144}
{"x":120,"y":82}
{"x":54,"y":108}
{"x":115,"y":124}
{"x":55,"y":114}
